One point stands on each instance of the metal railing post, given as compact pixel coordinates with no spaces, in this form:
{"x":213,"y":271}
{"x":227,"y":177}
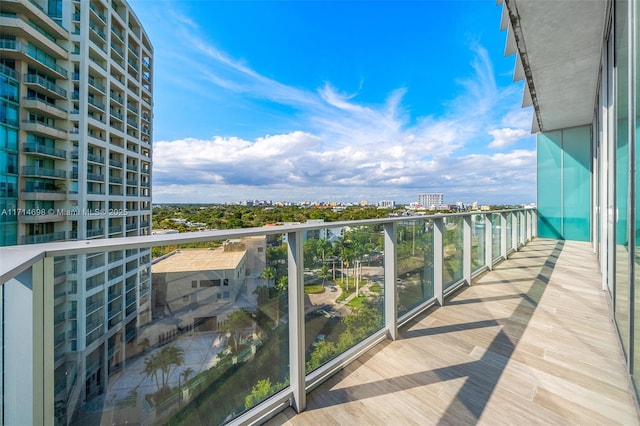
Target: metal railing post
{"x":296,"y":321}
{"x":503,"y":235}
{"x":514,"y":230}
{"x":390,"y":287}
{"x":438,"y":231}
{"x":488,"y":240}
{"x":466,"y":249}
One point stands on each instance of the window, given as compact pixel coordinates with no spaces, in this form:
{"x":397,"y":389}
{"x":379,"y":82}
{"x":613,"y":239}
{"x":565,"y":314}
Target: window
{"x":225,"y":282}
{"x":194,"y":284}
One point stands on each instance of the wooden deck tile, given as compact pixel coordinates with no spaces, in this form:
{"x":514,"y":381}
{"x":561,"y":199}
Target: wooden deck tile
{"x":531,"y":342}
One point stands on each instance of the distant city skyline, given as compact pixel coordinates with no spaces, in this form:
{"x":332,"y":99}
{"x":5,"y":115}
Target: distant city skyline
{"x":336,"y":100}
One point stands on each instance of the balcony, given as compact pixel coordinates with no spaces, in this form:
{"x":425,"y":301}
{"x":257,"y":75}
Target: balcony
{"x":52,"y":88}
{"x":33,"y":103}
{"x":44,"y":129}
{"x":523,"y":341}
{"x":529,"y":338}
{"x":13,"y":49}
{"x":43,"y":238}
{"x":45,"y":193}
{"x":95,"y":158}
{"x":36,"y":148}
{"x":43,"y":172}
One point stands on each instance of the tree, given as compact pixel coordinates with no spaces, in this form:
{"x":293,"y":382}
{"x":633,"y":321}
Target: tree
{"x":267,"y":275}
{"x":164,"y":360}
{"x":261,"y":390}
{"x":151,"y":367}
{"x":324,"y":273}
{"x":235,"y":325}
{"x":186,"y":373}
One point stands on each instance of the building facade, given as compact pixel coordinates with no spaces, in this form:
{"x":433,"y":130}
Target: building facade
{"x":431,"y":201}
{"x":75,"y":164}
{"x":584,"y":89}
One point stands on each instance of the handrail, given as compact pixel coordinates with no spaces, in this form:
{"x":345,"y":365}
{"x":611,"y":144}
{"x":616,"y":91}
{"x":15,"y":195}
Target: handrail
{"x":15,"y":260}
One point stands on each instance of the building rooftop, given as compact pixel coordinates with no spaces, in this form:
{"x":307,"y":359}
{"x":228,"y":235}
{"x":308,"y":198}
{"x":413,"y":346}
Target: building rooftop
{"x":189,"y":260}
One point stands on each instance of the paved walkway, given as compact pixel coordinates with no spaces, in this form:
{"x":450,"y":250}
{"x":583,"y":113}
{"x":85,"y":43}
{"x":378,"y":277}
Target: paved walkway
{"x":531,"y":342}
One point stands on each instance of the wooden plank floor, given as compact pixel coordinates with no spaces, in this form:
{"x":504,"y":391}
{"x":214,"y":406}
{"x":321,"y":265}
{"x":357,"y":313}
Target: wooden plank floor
{"x":531,"y":342}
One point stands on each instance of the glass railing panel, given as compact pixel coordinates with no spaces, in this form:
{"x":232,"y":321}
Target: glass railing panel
{"x":495,"y":235}
{"x":478,"y":247}
{"x":192,"y":334}
{"x":219,"y":315}
{"x":414,"y":270}
{"x":343,"y":285}
{"x":452,"y":251}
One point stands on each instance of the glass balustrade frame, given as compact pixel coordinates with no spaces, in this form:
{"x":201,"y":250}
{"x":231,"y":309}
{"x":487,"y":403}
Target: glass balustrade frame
{"x":33,"y":267}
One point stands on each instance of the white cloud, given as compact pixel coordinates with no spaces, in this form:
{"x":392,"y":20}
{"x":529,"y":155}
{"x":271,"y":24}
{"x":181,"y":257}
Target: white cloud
{"x":505,"y":137}
{"x":343,"y":148}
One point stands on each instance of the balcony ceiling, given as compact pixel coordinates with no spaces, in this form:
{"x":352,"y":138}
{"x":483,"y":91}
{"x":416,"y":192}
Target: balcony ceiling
{"x":558,"y":44}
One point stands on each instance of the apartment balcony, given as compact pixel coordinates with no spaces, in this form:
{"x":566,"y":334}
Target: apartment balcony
{"x":33,"y":103}
{"x":48,"y":193}
{"x":8,"y":72}
{"x":33,"y":9}
{"x":44,"y":129}
{"x":92,"y":233}
{"x":452,"y":319}
{"x":42,"y":150}
{"x":28,"y":29}
{"x":46,"y":217}
{"x":34,"y":171}
{"x":96,"y":84}
{"x":97,"y":104}
{"x":94,"y":158}
{"x":50,"y":88}
{"x":12,"y":49}
{"x":531,"y":340}
{"x":43,"y":238}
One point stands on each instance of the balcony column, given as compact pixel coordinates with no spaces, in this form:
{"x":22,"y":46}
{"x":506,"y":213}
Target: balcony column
{"x":534,"y":223}
{"x":29,"y":392}
{"x":438,"y":232}
{"x":466,"y":249}
{"x":296,"y":321}
{"x":503,"y":235}
{"x":514,"y":230}
{"x":390,"y":287}
{"x":522,"y":216}
{"x":488,"y":240}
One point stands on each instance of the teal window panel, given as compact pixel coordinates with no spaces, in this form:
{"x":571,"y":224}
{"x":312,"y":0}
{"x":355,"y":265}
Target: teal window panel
{"x":549,"y":202}
{"x":576,"y":183}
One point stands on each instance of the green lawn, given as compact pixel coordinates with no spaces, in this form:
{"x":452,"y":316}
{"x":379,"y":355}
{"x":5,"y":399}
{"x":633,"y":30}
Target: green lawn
{"x":376,"y":288}
{"x":313,"y":289}
{"x":357,"y":302}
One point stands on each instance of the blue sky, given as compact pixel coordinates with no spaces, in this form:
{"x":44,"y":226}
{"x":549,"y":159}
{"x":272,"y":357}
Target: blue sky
{"x":335,"y":101}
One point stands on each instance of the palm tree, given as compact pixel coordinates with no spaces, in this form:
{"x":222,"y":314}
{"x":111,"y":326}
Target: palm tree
{"x":324,"y":273}
{"x":164,"y":360}
{"x":186,"y":373}
{"x":235,"y":325}
{"x":169,"y":356}
{"x":151,"y":367}
{"x":268,"y":274}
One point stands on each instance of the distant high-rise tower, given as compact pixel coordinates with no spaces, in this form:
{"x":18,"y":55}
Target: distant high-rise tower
{"x":75,"y":163}
{"x":431,"y":201}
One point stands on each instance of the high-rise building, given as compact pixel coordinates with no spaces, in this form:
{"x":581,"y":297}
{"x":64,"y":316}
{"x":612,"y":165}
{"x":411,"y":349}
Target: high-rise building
{"x":431,"y":201}
{"x":75,"y":164}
